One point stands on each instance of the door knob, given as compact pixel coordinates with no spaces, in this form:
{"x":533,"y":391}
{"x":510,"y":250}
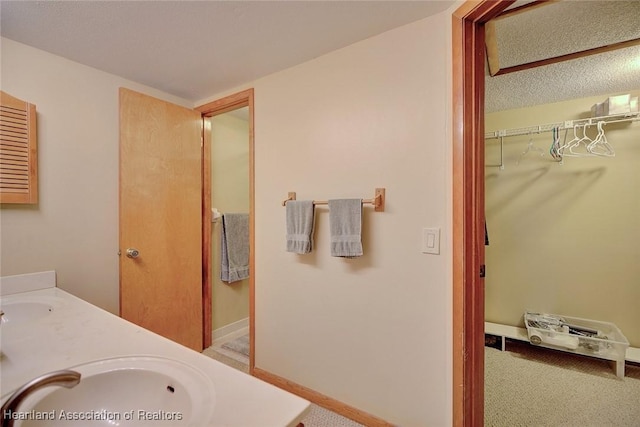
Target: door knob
{"x":133,"y":253}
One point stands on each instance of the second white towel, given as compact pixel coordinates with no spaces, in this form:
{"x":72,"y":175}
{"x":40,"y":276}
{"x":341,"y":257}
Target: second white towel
{"x":345,"y":226}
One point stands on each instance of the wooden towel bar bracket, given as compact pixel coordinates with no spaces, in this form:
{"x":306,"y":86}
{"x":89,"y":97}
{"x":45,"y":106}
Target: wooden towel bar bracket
{"x":378,"y":200}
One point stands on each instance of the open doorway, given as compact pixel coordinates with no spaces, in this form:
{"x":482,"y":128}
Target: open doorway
{"x":229,"y":142}
{"x":469,"y":292}
{"x":542,"y":204}
{"x":228,"y":193}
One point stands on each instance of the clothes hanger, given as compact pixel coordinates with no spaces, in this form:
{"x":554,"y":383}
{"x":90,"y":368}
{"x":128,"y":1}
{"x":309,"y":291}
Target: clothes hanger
{"x":600,"y":146}
{"x":584,"y":140}
{"x":530,"y":147}
{"x":555,"y":144}
{"x":569,"y":143}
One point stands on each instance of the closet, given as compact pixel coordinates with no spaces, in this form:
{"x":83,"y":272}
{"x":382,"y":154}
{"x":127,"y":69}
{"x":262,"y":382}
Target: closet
{"x":562,"y":215}
{"x":561,"y":175}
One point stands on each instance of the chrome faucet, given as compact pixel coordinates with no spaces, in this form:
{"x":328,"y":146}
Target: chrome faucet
{"x":66,"y":379}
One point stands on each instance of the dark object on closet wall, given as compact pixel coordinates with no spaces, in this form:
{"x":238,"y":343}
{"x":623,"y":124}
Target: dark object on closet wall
{"x":486,"y":235}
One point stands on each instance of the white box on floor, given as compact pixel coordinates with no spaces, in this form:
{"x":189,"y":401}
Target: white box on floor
{"x":581,"y":336}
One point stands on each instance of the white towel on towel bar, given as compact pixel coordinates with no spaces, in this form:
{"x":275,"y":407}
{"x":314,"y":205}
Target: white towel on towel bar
{"x":234,"y":242}
{"x":300,"y":218}
{"x":345,"y":226}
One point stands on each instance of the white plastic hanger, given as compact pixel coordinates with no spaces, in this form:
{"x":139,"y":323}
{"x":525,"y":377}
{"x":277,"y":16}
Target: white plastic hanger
{"x":600,"y":146}
{"x":569,"y":143}
{"x":530,"y":147}
{"x":573,"y":148}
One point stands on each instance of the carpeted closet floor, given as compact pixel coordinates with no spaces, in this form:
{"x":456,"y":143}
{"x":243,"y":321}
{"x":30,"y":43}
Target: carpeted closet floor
{"x":537,"y":387}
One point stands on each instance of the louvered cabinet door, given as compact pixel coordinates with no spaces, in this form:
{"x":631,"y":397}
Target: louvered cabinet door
{"x":18,"y":151}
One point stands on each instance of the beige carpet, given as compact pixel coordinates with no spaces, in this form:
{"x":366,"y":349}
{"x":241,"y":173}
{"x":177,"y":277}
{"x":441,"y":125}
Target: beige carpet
{"x":535,"y":387}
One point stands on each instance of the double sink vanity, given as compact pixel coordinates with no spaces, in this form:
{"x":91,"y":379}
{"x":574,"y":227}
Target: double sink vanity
{"x":128,"y":376}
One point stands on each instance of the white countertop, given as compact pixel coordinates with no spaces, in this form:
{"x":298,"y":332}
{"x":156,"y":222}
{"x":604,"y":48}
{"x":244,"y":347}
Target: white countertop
{"x":77,"y":332}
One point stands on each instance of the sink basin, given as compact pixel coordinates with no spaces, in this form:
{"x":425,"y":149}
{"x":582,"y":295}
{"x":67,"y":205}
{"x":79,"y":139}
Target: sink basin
{"x":127,"y":391}
{"x":24,"y":309}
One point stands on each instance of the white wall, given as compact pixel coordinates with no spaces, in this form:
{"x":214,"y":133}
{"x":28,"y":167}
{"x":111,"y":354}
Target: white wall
{"x":372,"y":332}
{"x":74,"y":228}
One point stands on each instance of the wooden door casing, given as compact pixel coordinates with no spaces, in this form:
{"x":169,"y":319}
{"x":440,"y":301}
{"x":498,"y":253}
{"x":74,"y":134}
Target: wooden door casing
{"x":468,"y":207}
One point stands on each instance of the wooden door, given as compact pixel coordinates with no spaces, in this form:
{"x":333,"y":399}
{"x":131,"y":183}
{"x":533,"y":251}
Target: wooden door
{"x":161,"y":218}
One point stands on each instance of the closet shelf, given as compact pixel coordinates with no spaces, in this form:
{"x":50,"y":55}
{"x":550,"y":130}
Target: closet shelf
{"x":567,"y":124}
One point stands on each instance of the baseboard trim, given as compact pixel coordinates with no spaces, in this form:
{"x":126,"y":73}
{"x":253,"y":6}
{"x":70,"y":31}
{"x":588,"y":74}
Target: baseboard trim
{"x":239,"y":326}
{"x":321,"y":400}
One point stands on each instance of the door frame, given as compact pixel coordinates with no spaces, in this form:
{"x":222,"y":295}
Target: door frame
{"x":217,"y":107}
{"x":468,"y":67}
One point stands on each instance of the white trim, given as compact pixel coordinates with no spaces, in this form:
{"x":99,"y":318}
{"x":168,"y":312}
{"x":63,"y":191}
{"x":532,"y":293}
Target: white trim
{"x":231,"y":331}
{"x":27,"y":282}
{"x":633,"y":354}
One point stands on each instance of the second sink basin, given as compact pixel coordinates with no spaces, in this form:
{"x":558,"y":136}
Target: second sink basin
{"x":127,"y":391}
{"x":22,"y":309}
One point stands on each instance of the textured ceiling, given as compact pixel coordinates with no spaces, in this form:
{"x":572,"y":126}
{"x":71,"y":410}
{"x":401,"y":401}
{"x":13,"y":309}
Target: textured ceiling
{"x":604,"y":74}
{"x":565,"y":27}
{"x":196,"y":49}
{"x":561,"y":28}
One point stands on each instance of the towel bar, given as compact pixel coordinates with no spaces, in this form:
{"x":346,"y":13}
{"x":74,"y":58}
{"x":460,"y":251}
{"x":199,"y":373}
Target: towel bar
{"x":377,"y":201}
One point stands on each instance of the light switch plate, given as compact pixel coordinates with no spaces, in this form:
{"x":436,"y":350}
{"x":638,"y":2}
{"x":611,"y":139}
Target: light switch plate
{"x":431,"y":241}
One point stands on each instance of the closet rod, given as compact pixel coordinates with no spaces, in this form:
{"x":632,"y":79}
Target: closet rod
{"x":377,"y":201}
{"x":567,"y":124}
